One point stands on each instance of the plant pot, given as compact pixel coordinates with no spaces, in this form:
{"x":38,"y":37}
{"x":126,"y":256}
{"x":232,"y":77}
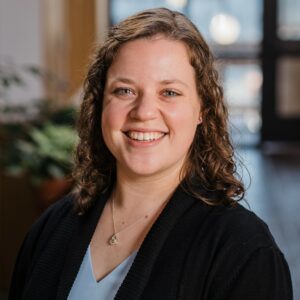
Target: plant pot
{"x":51,"y":190}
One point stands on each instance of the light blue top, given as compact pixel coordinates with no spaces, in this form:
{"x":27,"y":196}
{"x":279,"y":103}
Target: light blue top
{"x":86,"y":286}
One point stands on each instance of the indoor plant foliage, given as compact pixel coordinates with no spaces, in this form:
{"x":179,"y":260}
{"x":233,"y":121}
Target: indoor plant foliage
{"x":46,"y":152}
{"x":42,"y":151}
{"x":37,"y":137}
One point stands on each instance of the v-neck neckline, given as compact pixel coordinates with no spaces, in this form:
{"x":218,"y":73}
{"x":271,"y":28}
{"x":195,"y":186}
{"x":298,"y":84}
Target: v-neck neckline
{"x":109,"y":274}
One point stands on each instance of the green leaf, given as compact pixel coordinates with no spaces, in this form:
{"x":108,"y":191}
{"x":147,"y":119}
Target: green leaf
{"x":55,"y":171}
{"x":14,"y":170}
{"x":5,"y":82}
{"x":34,"y":70}
{"x":17,"y":80}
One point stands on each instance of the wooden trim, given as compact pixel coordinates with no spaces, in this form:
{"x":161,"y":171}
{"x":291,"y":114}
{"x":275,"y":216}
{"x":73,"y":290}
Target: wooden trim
{"x":69,"y":37}
{"x":55,"y":48}
{"x":81,"y":37}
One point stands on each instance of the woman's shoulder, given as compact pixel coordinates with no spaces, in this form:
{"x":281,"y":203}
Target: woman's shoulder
{"x":239,"y":249}
{"x":244,"y":224}
{"x":54,"y":213}
{"x":237,"y":225}
{"x":224,"y":224}
{"x":59,"y":212}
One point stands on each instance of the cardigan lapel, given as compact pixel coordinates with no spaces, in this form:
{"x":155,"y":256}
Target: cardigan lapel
{"x":140,"y":271}
{"x":84,"y":228}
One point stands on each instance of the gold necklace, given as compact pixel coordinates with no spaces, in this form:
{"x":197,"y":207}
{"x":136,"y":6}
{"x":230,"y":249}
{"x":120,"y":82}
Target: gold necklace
{"x":113,"y":240}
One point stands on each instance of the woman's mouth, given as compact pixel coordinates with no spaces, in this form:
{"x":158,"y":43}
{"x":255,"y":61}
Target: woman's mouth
{"x":145,"y":136}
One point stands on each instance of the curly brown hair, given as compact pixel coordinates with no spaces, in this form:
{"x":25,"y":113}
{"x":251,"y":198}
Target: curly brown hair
{"x":210,"y":161}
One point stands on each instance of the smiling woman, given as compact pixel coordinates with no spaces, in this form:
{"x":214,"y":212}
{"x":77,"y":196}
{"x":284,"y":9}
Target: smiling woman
{"x":156,"y":213}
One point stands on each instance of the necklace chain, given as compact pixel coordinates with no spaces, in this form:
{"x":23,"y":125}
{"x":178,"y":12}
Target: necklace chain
{"x":113,"y":240}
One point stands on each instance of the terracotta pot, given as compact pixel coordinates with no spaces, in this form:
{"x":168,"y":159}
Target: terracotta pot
{"x":51,"y":190}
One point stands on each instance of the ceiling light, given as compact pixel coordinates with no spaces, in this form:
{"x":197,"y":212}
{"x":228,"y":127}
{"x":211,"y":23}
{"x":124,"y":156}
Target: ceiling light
{"x":224,"y":29}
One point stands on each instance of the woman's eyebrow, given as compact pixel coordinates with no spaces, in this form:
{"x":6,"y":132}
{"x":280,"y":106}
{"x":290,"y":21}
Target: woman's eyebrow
{"x":122,"y":79}
{"x":170,"y":81}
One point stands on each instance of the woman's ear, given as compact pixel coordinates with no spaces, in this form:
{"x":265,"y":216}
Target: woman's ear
{"x":199,"y":118}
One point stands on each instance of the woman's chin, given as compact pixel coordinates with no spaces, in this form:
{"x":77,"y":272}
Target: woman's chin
{"x":150,"y":170}
{"x":143,"y":172}
{"x":141,"y":169}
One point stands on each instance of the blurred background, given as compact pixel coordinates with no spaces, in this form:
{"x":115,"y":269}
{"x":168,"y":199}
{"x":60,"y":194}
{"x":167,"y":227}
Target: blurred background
{"x":45,"y":48}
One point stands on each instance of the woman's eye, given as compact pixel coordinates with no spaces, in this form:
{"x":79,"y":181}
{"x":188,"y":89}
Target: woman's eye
{"x":123,"y":91}
{"x":170,"y":93}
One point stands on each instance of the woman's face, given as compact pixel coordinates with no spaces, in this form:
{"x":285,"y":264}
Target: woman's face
{"x":151,"y":108}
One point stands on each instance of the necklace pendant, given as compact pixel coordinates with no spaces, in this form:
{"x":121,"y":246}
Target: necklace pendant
{"x":113,"y":240}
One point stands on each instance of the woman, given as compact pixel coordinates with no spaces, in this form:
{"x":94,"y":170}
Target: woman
{"x":156,"y":213}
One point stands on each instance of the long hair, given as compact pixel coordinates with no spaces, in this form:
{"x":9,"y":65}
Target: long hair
{"x":210,"y":160}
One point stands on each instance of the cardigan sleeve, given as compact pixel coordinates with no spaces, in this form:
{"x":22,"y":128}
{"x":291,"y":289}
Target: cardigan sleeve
{"x":265,"y":275}
{"x":24,"y":258}
{"x":20,"y":270}
{"x":32,"y":246}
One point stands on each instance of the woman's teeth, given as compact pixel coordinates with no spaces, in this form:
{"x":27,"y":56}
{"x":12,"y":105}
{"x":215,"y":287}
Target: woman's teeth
{"x":145,"y":136}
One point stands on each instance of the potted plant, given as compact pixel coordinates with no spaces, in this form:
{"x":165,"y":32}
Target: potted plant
{"x":44,"y":153}
{"x":38,"y":145}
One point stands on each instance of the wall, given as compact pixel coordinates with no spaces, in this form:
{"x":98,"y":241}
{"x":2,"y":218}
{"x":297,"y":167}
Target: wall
{"x":20,"y":45}
{"x":20,"y":41}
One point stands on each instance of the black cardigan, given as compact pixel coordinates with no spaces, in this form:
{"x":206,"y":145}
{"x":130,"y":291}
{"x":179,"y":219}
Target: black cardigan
{"x":193,"y":251}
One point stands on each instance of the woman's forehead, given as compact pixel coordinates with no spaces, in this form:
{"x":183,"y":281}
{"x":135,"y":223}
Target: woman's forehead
{"x":160,"y":58}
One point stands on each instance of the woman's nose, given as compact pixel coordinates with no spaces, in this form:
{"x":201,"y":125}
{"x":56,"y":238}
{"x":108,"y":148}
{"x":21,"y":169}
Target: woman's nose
{"x":145,"y":108}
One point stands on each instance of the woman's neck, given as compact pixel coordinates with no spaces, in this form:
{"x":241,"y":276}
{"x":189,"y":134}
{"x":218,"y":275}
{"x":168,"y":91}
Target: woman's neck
{"x":143,"y":193}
